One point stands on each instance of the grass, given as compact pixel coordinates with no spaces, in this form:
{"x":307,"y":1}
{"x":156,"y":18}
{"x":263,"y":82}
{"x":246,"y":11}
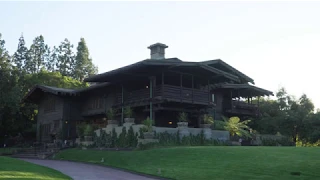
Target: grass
{"x":205,"y":163}
{"x":11,"y":168}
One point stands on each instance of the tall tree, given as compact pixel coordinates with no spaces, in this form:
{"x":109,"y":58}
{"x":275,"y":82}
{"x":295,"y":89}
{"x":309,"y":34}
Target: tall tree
{"x":83,"y":63}
{"x":4,"y":56}
{"x":20,"y":57}
{"x":37,"y":53}
{"x":48,"y":63}
{"x":66,"y":58}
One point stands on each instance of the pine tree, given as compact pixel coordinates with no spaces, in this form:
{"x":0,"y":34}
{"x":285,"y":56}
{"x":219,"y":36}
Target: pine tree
{"x":83,"y":63}
{"x":4,"y":56}
{"x":21,"y":55}
{"x":66,"y":58}
{"x":37,"y":52}
{"x":49,"y":66}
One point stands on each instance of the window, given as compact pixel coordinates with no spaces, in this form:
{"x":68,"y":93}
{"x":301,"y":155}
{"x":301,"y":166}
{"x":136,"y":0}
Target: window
{"x":95,"y":103}
{"x":50,"y":105}
{"x":46,"y":129}
{"x":212,"y":97}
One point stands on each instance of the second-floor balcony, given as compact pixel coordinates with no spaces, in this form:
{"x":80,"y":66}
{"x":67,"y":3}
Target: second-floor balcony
{"x":165,"y":92}
{"x":241,"y":107}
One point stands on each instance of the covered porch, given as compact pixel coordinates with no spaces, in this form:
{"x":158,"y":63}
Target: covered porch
{"x":242,"y":99}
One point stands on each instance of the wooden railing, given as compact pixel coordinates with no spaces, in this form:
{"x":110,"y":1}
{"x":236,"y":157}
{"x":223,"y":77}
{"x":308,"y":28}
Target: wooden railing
{"x":187,"y":95}
{"x":244,"y":105}
{"x":170,"y":92}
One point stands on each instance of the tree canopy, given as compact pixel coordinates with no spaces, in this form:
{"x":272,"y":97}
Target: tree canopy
{"x":37,"y":65}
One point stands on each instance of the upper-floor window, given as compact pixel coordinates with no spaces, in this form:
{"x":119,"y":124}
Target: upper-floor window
{"x":50,"y":105}
{"x":95,"y":103}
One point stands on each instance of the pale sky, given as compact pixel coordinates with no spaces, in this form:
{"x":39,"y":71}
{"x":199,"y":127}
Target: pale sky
{"x":275,"y":43}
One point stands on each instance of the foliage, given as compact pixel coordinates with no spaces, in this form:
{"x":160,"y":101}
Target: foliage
{"x":83,"y":63}
{"x":276,"y":142}
{"x":128,"y":112}
{"x":207,"y":119}
{"x":289,"y":116}
{"x":88,"y":130}
{"x":148,"y":123}
{"x":183,"y":117}
{"x":80,"y":130}
{"x":114,"y":138}
{"x":111,"y":113}
{"x":235,"y":127}
{"x":126,"y":139}
{"x":131,"y":138}
{"x":121,"y":141}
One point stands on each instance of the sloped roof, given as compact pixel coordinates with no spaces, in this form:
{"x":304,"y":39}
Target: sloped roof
{"x":256,"y":90}
{"x":59,"y":91}
{"x":232,"y":69}
{"x":171,"y":62}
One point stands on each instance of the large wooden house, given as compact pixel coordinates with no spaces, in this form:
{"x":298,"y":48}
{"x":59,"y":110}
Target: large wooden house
{"x":158,"y":88}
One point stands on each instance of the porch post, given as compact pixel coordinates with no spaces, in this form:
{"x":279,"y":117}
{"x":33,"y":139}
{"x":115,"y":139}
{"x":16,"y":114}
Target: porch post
{"x":151,"y":95}
{"x":181,"y":87}
{"x":209,"y":91}
{"x":122,"y":100}
{"x":231,"y":100}
{"x":192,"y":87}
{"x":162,"y":83}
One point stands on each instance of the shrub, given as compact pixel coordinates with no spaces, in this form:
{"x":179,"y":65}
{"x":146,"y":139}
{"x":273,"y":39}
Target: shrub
{"x":207,"y":119}
{"x":281,"y":141}
{"x":88,"y":131}
{"x":121,"y":141}
{"x":183,"y":117}
{"x":128,"y":112}
{"x":148,"y":125}
{"x":80,"y":130}
{"x":111,"y":113}
{"x":131,"y":138}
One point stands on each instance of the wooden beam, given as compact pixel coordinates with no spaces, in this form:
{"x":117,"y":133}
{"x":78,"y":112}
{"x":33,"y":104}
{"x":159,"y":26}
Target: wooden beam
{"x":122,"y":100}
{"x":181,"y":87}
{"x":171,"y":109}
{"x":192,"y":89}
{"x":151,"y":95}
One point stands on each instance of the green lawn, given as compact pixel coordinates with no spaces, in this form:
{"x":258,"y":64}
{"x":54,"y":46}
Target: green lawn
{"x":11,"y":168}
{"x":208,"y":163}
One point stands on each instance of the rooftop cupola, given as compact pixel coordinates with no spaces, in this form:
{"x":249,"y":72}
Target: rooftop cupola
{"x":157,"y":51}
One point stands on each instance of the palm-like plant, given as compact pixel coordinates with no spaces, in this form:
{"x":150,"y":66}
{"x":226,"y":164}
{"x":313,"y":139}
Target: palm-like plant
{"x":128,"y":112}
{"x":235,"y":127}
{"x":207,"y":119}
{"x":183,"y":117}
{"x":148,"y":125}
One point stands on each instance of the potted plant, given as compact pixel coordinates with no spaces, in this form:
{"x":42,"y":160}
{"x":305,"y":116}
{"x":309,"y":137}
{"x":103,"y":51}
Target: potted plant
{"x":128,"y":115}
{"x":88,"y":132}
{"x":111,"y":113}
{"x":207,"y":121}
{"x":147,"y":129}
{"x":183,"y":119}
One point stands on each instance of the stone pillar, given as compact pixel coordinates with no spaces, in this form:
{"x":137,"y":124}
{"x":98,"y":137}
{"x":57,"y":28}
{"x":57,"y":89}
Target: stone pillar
{"x":207,"y":132}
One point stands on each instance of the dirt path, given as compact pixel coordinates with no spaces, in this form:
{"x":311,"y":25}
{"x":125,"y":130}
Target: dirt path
{"x":83,"y":171}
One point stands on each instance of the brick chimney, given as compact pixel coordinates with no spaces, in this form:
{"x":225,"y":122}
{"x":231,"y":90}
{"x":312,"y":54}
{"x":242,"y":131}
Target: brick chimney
{"x":157,"y":51}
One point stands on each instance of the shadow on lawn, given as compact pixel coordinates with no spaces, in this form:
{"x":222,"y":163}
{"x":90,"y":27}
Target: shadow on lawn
{"x":5,"y":174}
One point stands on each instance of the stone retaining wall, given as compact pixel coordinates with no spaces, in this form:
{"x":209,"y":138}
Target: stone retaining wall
{"x":209,"y":134}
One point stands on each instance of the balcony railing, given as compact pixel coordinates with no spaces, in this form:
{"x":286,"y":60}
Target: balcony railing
{"x":240,"y":107}
{"x":168,"y":92}
{"x":243,"y":105}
